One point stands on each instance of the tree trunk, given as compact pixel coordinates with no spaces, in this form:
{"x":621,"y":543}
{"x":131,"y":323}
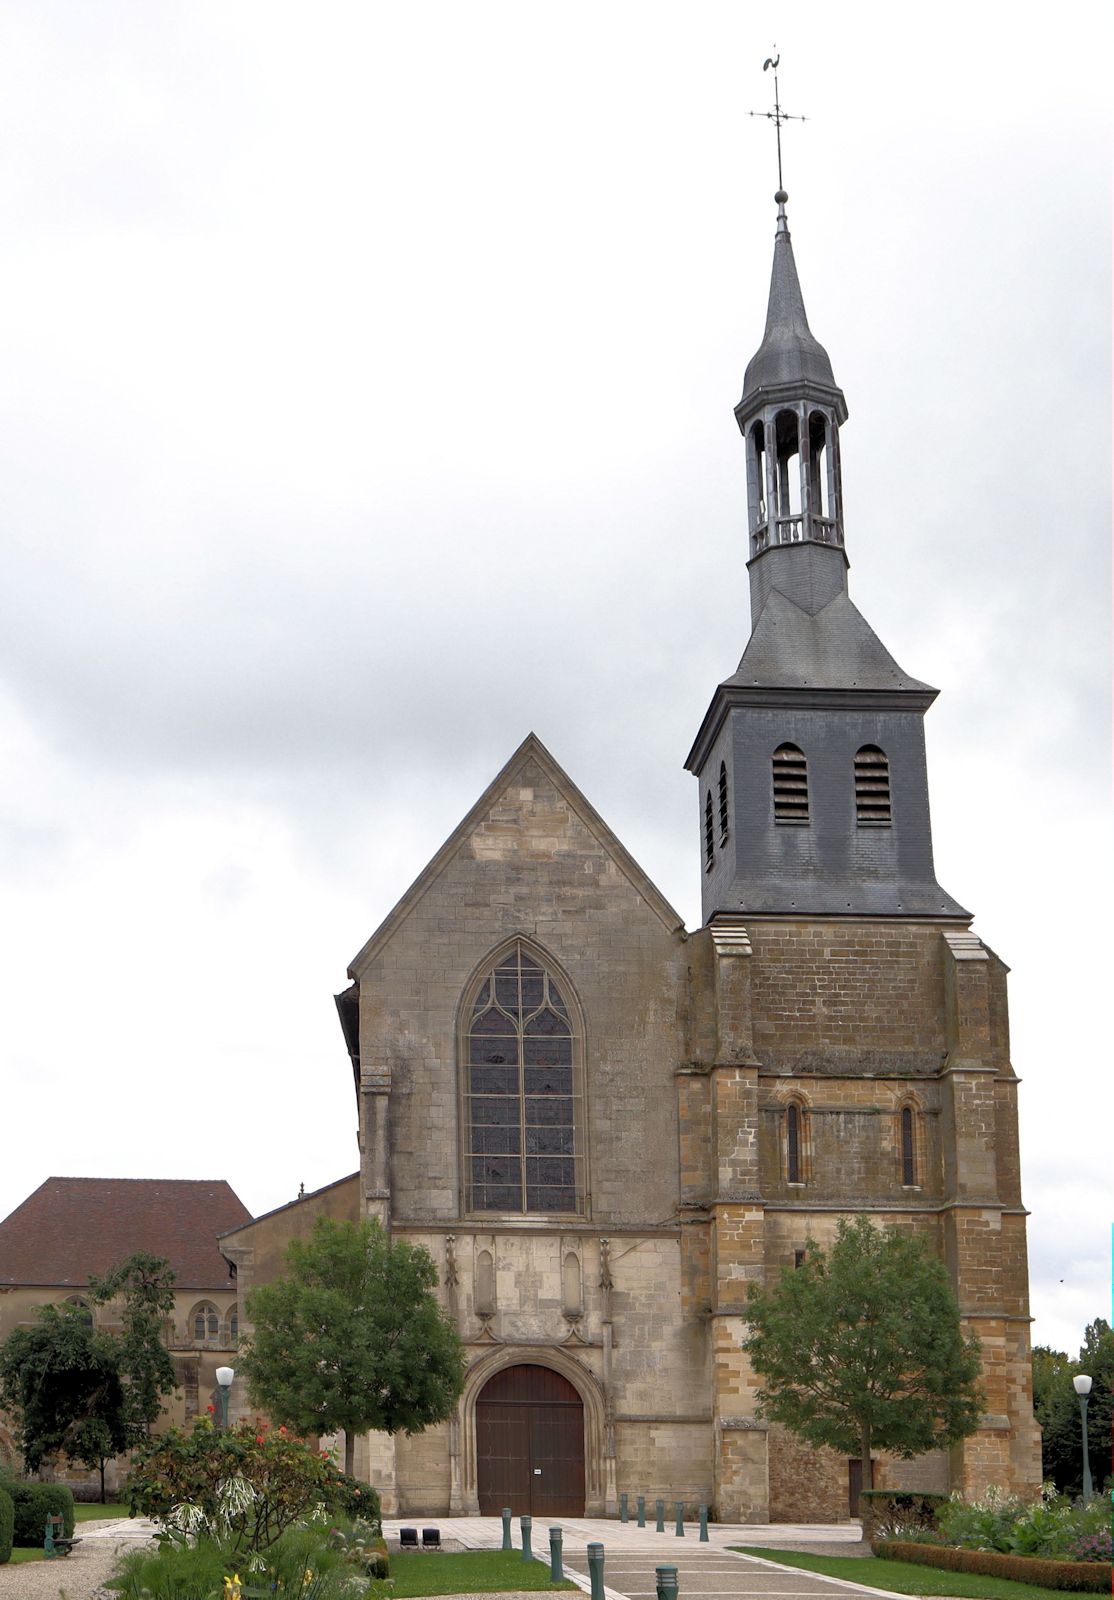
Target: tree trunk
{"x":868,"y":1470}
{"x":349,"y":1451}
{"x":103,"y":1502}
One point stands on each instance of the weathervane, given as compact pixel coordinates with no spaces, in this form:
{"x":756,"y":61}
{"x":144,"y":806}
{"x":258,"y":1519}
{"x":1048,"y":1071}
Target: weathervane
{"x":777,"y":116}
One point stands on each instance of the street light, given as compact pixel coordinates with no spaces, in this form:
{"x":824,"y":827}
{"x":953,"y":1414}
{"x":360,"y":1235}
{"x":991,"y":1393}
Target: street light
{"x":225,"y":1376}
{"x":1083,"y":1389}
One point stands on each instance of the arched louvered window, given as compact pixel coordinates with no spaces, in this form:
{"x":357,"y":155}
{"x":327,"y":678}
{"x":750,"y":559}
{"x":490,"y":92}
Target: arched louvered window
{"x":790,"y":773}
{"x":709,"y":834}
{"x":872,"y":788}
{"x":908,"y":1148}
{"x":724,"y":817}
{"x":793,"y":1144}
{"x":523,"y":1093}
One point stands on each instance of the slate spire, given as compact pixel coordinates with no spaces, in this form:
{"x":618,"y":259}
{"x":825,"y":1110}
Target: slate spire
{"x":811,"y":757}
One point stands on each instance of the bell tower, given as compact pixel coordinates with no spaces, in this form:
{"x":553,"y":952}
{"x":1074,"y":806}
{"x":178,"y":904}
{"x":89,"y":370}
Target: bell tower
{"x":811,"y":756}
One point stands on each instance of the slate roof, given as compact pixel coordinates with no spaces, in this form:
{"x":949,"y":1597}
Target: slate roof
{"x":835,"y":649}
{"x":72,"y":1227}
{"x":790,"y":353}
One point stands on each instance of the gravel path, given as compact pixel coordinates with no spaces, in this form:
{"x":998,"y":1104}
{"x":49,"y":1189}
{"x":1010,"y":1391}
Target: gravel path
{"x":81,"y":1574}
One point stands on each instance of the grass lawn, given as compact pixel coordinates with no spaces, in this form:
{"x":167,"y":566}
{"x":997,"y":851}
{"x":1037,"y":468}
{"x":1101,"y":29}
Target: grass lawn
{"x":906,"y":1578}
{"x":90,"y":1512}
{"x":27,"y":1555}
{"x":420,"y":1572}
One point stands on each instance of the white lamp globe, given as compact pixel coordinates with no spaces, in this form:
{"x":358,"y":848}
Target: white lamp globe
{"x":225,"y":1376}
{"x":1082,"y":1384}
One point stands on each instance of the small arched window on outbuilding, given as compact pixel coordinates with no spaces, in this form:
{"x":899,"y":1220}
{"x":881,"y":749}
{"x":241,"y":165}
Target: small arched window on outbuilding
{"x":205,"y":1323}
{"x":522,"y":1088}
{"x":872,"y":788}
{"x":79,"y":1305}
{"x":709,"y":834}
{"x":796,"y":1142}
{"x":790,"y":781}
{"x":724,"y":814}
{"x":908,"y":1136}
{"x":233,"y":1324}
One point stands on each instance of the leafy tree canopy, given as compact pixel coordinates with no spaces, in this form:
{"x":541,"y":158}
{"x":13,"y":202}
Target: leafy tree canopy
{"x":60,"y":1381}
{"x":144,"y":1286}
{"x":1057,"y":1408}
{"x":860,"y":1348}
{"x":352,"y":1336}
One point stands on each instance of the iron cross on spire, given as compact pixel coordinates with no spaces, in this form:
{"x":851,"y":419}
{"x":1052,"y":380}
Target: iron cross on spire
{"x":777,"y":116}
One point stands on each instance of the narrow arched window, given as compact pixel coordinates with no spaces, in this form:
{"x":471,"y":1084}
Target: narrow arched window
{"x":233,"y":1325}
{"x":570,"y":1285}
{"x":206,"y":1323}
{"x":709,"y":834}
{"x":522,"y":1089}
{"x":485,"y":1284}
{"x":724,"y":817}
{"x":793,"y":1143}
{"x":872,"y":788}
{"x":908,"y":1148}
{"x":790,"y":776}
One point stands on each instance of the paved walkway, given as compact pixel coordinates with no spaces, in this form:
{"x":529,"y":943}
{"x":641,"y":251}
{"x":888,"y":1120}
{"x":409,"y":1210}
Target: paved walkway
{"x":704,"y":1571}
{"x":79,"y":1576}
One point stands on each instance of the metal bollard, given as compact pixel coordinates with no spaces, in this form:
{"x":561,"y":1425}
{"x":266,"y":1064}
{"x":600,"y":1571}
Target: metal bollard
{"x":659,"y":1507}
{"x":595,"y":1570}
{"x":556,"y":1570}
{"x":679,"y":1508}
{"x":703,"y":1524}
{"x":641,"y":1504}
{"x":527,"y":1524}
{"x":506,"y":1516}
{"x":667,"y":1582}
{"x":624,"y":1509}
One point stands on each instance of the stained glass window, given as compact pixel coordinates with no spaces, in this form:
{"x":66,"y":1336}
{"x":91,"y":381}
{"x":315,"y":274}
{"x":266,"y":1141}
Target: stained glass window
{"x":521,"y":1092}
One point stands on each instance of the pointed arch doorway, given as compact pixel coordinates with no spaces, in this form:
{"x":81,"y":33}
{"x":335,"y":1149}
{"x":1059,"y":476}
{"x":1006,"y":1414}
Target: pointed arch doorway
{"x":530,"y":1444}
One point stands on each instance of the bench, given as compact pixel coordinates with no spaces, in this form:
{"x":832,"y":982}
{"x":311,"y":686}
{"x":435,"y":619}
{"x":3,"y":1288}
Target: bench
{"x":431,"y":1538}
{"x":408,"y":1538}
{"x":55,"y":1543}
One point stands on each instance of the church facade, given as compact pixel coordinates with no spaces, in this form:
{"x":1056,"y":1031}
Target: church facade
{"x":604,"y":1127}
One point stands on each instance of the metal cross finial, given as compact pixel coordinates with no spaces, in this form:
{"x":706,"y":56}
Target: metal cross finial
{"x":777,"y":116}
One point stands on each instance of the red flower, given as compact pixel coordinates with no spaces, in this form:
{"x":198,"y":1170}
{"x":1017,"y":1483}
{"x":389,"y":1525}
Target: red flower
{"x":212,"y":1410}
{"x":259,"y":1438}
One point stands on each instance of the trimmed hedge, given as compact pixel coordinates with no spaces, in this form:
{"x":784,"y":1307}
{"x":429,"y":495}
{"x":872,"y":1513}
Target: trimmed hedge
{"x":7,"y":1522}
{"x":1091,"y":1577}
{"x":33,"y":1503}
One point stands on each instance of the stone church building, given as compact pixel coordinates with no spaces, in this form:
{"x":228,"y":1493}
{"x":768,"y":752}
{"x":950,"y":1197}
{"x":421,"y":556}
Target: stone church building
{"x":604,"y":1127}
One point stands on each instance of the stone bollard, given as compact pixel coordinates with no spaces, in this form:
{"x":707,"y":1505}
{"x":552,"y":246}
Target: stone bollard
{"x":659,"y":1507}
{"x":624,"y":1509}
{"x":641,"y":1504}
{"x":506,"y":1515}
{"x":595,"y":1570}
{"x":703,"y":1524}
{"x":527,"y":1524}
{"x":556,"y":1570}
{"x":679,"y":1508}
{"x":667,"y":1582}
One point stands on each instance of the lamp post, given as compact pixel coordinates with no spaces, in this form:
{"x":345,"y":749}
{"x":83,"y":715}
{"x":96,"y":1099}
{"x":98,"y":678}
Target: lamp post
{"x":225,"y":1376}
{"x":1082,"y":1385}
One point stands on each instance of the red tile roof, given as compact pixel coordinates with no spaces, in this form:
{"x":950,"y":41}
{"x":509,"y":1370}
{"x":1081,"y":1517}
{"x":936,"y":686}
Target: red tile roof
{"x":71,"y":1227}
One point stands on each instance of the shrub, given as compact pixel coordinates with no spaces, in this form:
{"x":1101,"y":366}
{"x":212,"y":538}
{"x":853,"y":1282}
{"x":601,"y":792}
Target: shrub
{"x":1080,"y":1576}
{"x":241,"y":1486}
{"x":305,"y":1561}
{"x":887,"y":1513}
{"x":363,"y":1547}
{"x":1052,"y":1526}
{"x":348,"y":1497}
{"x":32,"y":1503}
{"x":7,"y":1522}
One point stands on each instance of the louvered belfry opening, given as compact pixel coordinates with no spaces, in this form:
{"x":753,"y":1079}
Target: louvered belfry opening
{"x":724,"y":813}
{"x":872,"y":788}
{"x":709,"y":834}
{"x":790,"y":785}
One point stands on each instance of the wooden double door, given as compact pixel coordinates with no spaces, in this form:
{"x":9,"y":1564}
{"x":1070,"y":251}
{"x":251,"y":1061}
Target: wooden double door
{"x":530,"y":1444}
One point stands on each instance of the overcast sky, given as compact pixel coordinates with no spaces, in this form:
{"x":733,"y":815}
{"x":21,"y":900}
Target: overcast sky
{"x":366,"y":392}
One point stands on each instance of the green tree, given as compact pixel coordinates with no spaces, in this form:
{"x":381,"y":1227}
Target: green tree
{"x":1057,"y":1408}
{"x":861,"y":1348}
{"x":144,"y":1285}
{"x":60,"y":1381}
{"x":352,"y":1337}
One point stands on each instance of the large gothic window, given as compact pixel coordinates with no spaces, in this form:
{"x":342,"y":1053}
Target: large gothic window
{"x":522,"y":1092}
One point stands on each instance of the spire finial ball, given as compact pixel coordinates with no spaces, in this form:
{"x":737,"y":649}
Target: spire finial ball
{"x":781,"y":197}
